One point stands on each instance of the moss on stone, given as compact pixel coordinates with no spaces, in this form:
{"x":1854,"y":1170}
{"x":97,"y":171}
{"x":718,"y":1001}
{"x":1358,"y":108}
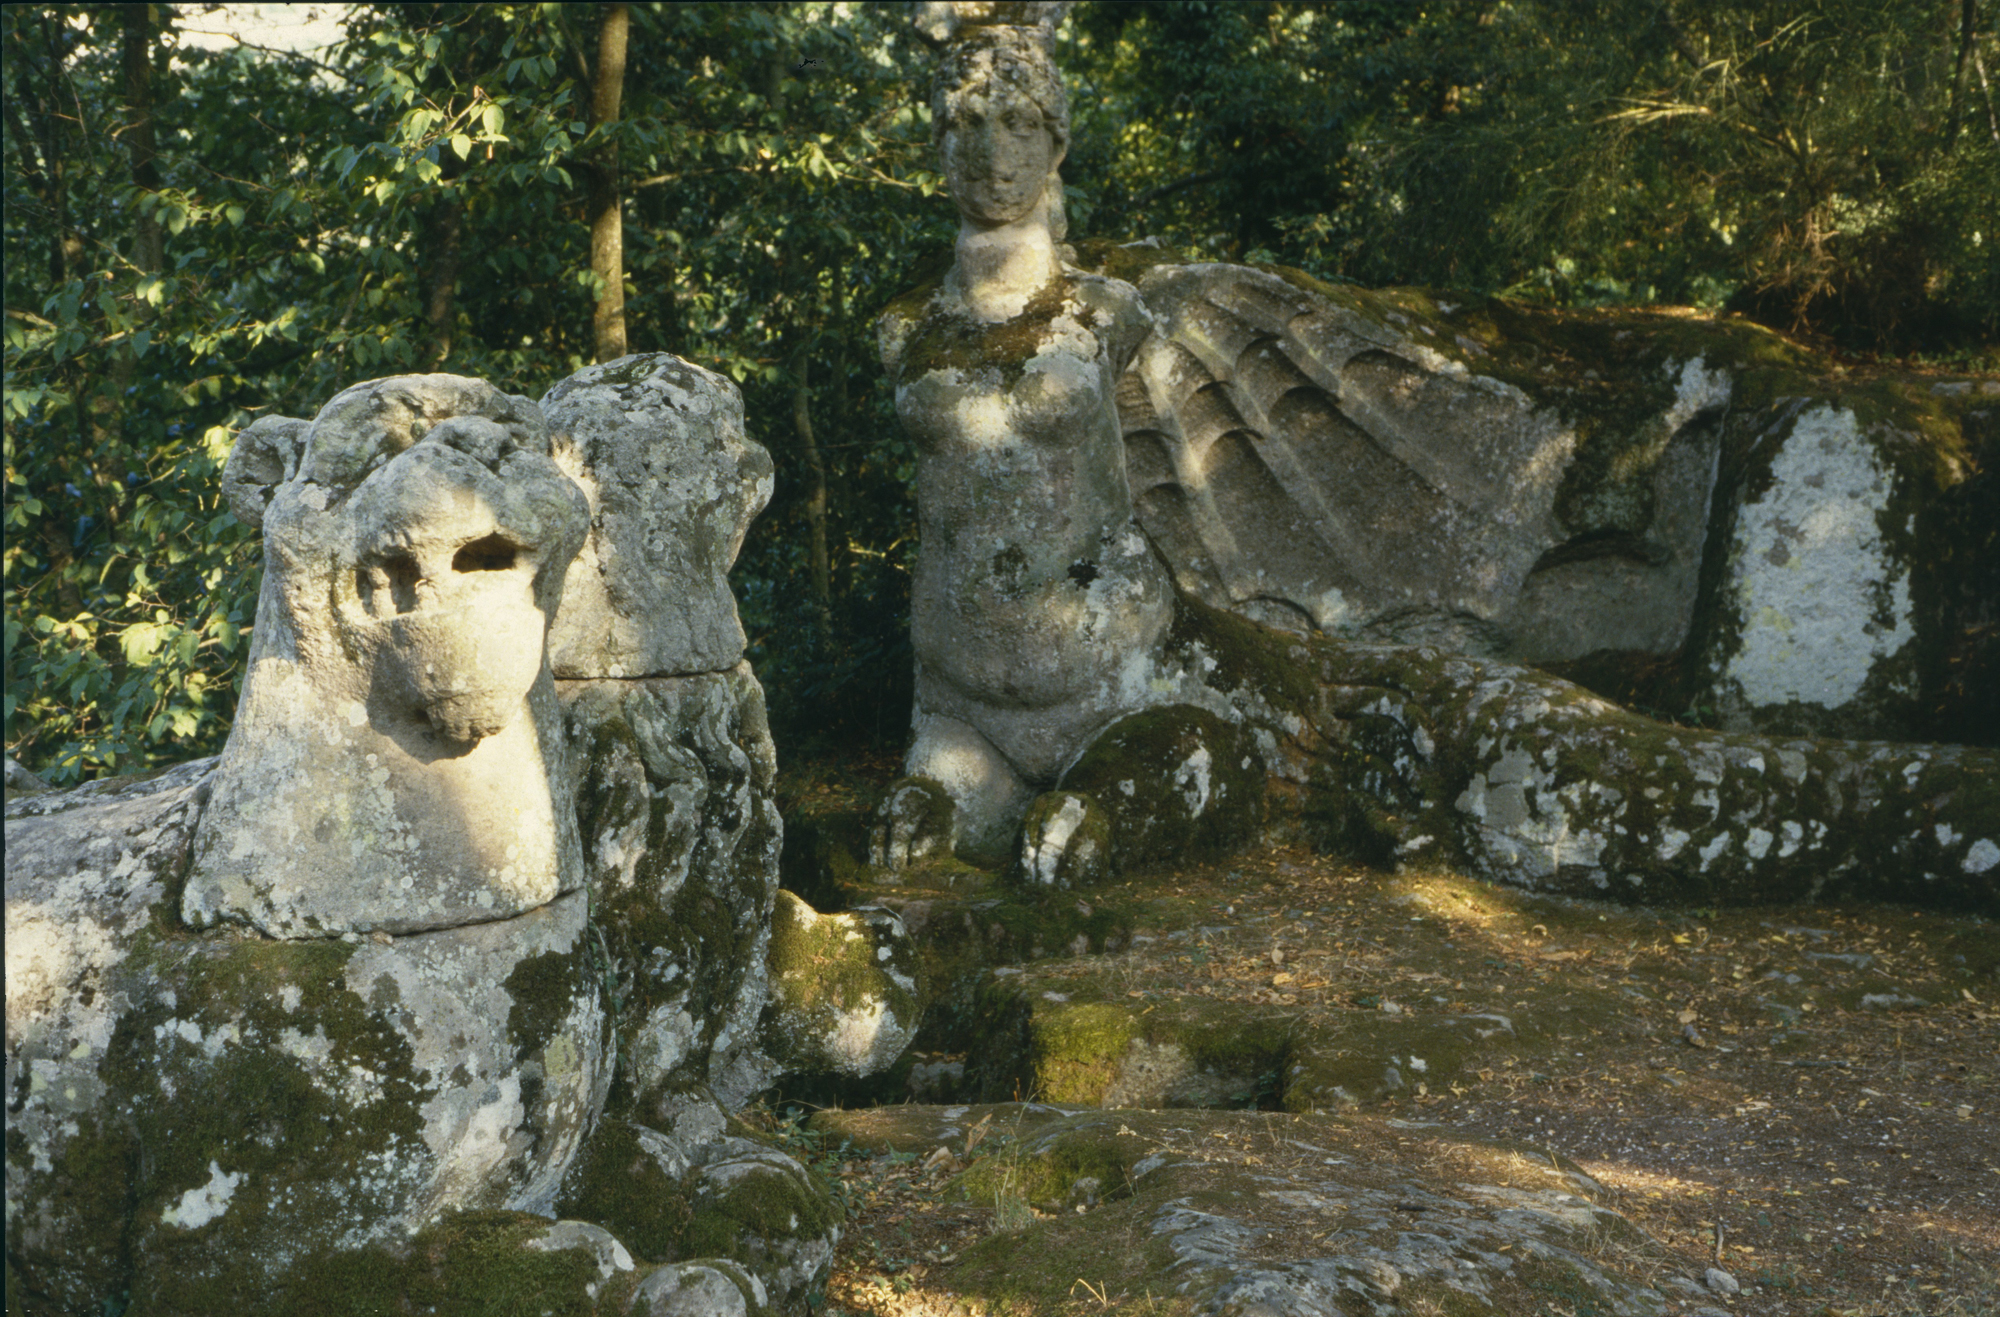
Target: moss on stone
{"x":1104,"y":1052}
{"x":245,"y":1103}
{"x":1350,"y":1056}
{"x":475,"y":1263}
{"x":1238,"y":654}
{"x":1081,"y":1158}
{"x":92,"y":1204}
{"x":692,"y":954}
{"x":696,"y":936}
{"x":913,"y":826}
{"x":545,"y":989}
{"x":962,"y":925}
{"x":1120,"y":261}
{"x":1087,"y":1053}
{"x":1112,"y":1247}
{"x":1557,"y":1281}
{"x":639,"y":368}
{"x":940,"y":339}
{"x":754,"y":1221}
{"x":1177,"y":782}
{"x":829,"y":970}
{"x":742,"y":1221}
{"x":471,"y":1264}
{"x":605,"y":794}
{"x":1066,"y":843}
{"x":619,"y":1185}
{"x":818,"y":961}
{"x":1077,"y":1050}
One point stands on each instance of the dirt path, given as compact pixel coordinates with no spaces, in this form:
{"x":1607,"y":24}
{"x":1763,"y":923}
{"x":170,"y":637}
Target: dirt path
{"x":1805,"y":1098}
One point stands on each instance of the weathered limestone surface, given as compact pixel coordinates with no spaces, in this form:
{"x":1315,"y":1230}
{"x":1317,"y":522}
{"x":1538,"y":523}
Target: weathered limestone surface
{"x":657,"y":445}
{"x":81,"y":886}
{"x":358,"y":1007}
{"x":1815,"y":609}
{"x":1177,"y":782}
{"x":1065,"y":842}
{"x":682,"y":839}
{"x":690,"y":1185}
{"x":1702,"y":504}
{"x":396,"y":759}
{"x":209,"y":1111}
{"x":1410,"y":753}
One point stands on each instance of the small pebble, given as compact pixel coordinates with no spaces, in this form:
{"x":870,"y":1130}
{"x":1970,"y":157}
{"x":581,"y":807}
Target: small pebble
{"x":1722,"y":1282}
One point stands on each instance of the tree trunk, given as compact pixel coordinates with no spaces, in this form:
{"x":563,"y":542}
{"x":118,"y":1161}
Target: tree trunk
{"x":444,"y":230}
{"x":1967,"y":30}
{"x":840,"y":402}
{"x":148,"y":247}
{"x":45,"y":177}
{"x":148,"y":243}
{"x":607,"y":230}
{"x":64,"y":245}
{"x":815,"y":497}
{"x":1992,"y":119}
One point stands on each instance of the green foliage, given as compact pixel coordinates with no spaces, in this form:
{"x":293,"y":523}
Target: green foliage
{"x":1828,"y":165}
{"x":304,"y":216}
{"x":790,"y":200}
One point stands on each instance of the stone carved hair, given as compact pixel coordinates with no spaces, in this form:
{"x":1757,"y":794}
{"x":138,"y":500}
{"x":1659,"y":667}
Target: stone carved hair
{"x":1018,"y":57}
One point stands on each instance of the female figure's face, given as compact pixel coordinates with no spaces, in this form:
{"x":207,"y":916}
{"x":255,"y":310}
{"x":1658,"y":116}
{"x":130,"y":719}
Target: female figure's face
{"x":997,"y":154}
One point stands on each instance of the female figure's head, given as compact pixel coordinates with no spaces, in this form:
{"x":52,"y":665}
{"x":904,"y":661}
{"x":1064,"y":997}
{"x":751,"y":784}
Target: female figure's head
{"x":1000,"y":121}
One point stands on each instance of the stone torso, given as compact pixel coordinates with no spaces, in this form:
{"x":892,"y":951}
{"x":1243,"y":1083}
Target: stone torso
{"x":1032,"y":587}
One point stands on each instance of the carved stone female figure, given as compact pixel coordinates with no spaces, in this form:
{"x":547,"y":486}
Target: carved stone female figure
{"x":1037,"y":604}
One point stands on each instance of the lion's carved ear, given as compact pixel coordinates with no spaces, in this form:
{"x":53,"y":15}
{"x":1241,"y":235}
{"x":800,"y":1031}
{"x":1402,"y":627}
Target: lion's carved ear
{"x":266,"y":455}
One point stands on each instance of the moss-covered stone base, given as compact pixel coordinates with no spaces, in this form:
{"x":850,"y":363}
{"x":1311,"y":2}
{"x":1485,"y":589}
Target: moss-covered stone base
{"x":1178,"y":783}
{"x":697,"y":1193}
{"x":683,"y":839}
{"x":846,"y":994}
{"x":1065,"y":842}
{"x":1411,"y":755}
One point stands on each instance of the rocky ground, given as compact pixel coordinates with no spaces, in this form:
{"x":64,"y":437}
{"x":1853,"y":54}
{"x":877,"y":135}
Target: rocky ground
{"x":1284,"y":1084}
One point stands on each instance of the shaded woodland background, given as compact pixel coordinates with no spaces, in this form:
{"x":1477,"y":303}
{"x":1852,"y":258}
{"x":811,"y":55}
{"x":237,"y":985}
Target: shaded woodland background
{"x":195,"y":238}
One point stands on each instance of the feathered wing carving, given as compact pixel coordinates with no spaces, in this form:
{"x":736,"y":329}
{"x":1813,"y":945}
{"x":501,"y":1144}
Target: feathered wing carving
{"x":1317,"y":464}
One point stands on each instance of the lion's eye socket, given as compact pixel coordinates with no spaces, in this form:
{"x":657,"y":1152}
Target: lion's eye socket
{"x":491,"y":554}
{"x":388,"y":585}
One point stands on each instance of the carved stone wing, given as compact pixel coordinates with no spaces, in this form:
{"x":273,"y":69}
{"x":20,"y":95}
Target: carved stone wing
{"x":1327,"y":458}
